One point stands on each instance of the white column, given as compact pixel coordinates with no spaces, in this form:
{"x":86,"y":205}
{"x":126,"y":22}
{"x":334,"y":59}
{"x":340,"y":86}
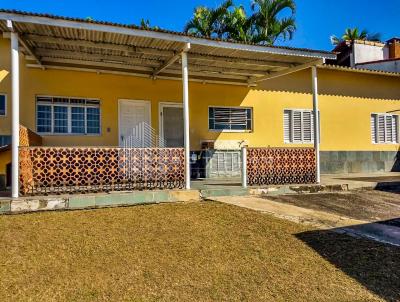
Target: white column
{"x":185,"y":84}
{"x":14,"y":115}
{"x":316,"y":120}
{"x":244,"y":167}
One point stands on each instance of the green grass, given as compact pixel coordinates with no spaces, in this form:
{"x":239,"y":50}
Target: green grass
{"x":186,"y":252}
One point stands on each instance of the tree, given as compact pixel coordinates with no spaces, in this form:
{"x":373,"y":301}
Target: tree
{"x":145,"y":24}
{"x":238,"y":27}
{"x":264,"y":26}
{"x":268,"y":26}
{"x":207,"y":22}
{"x":352,"y":34}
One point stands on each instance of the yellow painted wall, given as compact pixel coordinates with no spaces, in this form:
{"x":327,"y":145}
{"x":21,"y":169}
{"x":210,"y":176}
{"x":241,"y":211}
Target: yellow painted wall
{"x":5,"y":83}
{"x":346,"y":102}
{"x":5,"y":158}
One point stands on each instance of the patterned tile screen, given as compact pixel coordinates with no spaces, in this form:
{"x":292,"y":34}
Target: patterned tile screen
{"x":280,"y":166}
{"x":59,"y":170}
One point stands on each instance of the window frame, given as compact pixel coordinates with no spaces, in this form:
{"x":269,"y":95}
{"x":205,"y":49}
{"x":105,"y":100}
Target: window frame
{"x":231,"y":130}
{"x":377,"y":142}
{"x":5,"y":104}
{"x":69,"y":115}
{"x":291,"y":134}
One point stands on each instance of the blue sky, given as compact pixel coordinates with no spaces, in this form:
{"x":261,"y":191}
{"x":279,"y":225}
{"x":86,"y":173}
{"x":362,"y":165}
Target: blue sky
{"x":316,"y":19}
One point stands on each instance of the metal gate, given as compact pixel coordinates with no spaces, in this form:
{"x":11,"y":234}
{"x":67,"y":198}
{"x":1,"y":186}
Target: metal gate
{"x":216,"y":163}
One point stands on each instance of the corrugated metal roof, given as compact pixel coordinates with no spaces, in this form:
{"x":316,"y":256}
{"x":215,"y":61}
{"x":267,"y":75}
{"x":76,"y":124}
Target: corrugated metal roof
{"x":360,"y":70}
{"x":57,"y":41}
{"x":132,"y":26}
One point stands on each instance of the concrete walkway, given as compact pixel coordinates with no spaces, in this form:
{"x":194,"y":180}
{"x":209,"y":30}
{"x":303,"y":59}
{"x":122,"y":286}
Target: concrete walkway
{"x":361,"y":180}
{"x":320,"y":219}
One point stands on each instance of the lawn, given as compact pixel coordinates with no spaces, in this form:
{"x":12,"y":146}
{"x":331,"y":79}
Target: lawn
{"x":187,"y":252}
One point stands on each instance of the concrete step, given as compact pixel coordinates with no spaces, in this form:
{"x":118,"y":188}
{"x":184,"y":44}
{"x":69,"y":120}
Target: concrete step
{"x":299,"y":189}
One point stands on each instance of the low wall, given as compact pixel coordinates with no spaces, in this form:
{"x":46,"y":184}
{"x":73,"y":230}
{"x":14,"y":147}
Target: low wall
{"x":62,"y":170}
{"x":335,"y":162}
{"x":277,"y":166}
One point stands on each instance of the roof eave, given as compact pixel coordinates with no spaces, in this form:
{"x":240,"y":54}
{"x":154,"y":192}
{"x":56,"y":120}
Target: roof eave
{"x":120,"y":29}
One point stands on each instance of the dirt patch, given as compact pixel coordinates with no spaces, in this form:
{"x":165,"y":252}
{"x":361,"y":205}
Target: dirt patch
{"x":374,"y":179}
{"x":367,"y":205}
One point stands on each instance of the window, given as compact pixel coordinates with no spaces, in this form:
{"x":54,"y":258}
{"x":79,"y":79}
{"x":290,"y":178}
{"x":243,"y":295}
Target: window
{"x":298,"y":126}
{"x":3,"y":105}
{"x":384,"y":128}
{"x":59,"y":115}
{"x":5,"y":140}
{"x":230,"y":119}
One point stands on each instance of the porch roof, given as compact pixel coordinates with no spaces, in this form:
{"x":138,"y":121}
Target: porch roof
{"x":68,"y":43}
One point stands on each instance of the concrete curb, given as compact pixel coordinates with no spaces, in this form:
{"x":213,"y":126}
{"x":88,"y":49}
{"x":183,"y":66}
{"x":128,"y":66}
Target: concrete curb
{"x":114,"y":199}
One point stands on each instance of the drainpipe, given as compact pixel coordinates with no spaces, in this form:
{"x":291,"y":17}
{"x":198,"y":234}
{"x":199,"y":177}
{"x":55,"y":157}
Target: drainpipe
{"x":314,"y":75}
{"x":185,"y":84}
{"x":14,"y":112}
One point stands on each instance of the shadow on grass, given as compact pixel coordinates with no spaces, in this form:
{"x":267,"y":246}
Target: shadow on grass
{"x":391,"y":187}
{"x":374,"y":265}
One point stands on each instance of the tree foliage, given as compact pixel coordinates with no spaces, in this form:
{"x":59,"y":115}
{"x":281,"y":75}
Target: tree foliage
{"x":268,"y":21}
{"x":352,"y":34}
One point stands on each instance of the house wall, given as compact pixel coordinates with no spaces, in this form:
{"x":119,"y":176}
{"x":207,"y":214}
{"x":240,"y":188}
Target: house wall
{"x":367,"y":51}
{"x":346,"y":102}
{"x":390,"y":66}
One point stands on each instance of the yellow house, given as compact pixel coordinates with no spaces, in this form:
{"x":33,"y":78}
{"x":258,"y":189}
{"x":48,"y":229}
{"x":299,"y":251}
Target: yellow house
{"x":96,"y":84}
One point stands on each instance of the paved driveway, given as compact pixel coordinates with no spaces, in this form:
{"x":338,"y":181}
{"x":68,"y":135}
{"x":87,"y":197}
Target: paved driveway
{"x":367,"y":205}
{"x":368,"y":213}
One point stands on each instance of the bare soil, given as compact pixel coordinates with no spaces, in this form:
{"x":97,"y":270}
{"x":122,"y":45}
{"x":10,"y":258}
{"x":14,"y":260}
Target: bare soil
{"x":369,"y":205}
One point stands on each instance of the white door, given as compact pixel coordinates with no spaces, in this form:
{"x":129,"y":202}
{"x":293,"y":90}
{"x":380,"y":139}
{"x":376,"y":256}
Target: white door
{"x":171,"y":124}
{"x":134,"y":124}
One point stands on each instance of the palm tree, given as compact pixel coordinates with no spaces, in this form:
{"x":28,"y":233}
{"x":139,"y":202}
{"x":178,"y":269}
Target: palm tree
{"x":238,"y":26}
{"x":145,"y":24}
{"x":208,"y":22}
{"x":264,"y":26}
{"x":268,"y":26}
{"x":352,"y":34}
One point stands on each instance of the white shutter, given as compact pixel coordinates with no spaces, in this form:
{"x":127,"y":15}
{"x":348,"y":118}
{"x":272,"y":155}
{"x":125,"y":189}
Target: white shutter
{"x":381,"y":128}
{"x":373,"y":129}
{"x":389,"y":129}
{"x":395,"y":127}
{"x":287,"y":126}
{"x":307,"y":126}
{"x":297,"y":126}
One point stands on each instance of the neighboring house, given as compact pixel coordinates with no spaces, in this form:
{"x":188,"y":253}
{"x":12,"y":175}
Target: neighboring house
{"x":88,"y":84}
{"x":369,"y":55}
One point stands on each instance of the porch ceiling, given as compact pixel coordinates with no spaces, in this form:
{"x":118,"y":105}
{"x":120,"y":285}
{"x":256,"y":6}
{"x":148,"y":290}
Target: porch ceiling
{"x":58,"y":42}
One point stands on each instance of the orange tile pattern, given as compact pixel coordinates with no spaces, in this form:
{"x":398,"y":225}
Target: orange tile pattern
{"x":61,"y":170}
{"x":28,"y":138}
{"x":278,"y":166}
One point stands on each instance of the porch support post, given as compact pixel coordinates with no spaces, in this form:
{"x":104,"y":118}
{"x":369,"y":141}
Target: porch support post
{"x":314,"y":76}
{"x":14,"y":115}
{"x":244,"y":167}
{"x":185,"y":84}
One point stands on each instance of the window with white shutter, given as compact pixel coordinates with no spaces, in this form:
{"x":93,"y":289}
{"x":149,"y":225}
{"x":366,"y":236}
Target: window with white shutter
{"x":230,"y":119}
{"x":298,"y":126}
{"x":384,"y":128}
{"x":373,"y":128}
{"x":287,"y":126}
